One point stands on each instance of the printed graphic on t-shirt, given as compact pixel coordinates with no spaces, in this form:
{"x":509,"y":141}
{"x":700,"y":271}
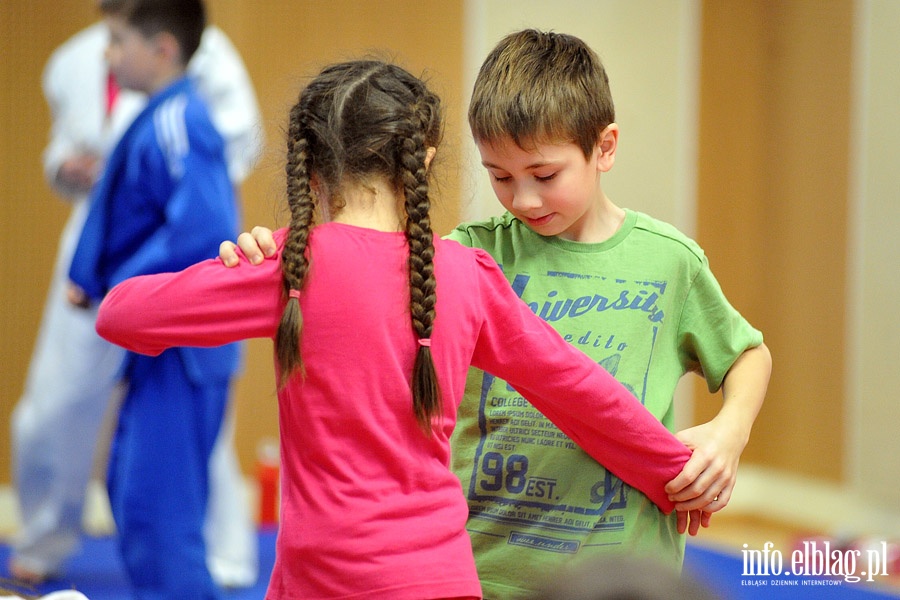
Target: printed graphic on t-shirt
{"x":528,"y":477}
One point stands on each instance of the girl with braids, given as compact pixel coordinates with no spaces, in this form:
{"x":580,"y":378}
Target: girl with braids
{"x":375,"y":323}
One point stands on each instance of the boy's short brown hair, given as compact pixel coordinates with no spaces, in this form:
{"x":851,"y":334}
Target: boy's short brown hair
{"x":183,"y":19}
{"x":538,"y":87}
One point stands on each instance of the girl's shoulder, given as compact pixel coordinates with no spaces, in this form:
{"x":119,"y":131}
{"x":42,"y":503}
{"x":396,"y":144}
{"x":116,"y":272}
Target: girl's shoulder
{"x":469,"y":263}
{"x":460,"y":251}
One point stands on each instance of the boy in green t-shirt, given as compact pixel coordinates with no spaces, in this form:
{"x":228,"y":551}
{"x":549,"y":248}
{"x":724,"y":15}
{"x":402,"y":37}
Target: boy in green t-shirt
{"x":630,"y":291}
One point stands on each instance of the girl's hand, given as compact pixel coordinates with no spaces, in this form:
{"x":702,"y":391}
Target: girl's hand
{"x":257,"y":245}
{"x":692,"y":520}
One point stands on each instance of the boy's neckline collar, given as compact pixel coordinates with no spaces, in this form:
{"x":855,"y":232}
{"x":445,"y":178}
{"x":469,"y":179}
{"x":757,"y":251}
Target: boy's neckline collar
{"x":174,"y":85}
{"x":614,"y":240}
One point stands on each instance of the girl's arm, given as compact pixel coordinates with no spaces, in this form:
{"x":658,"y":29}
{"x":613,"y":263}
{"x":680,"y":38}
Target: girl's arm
{"x":574,"y":392}
{"x":605,"y":414}
{"x":204,"y":305}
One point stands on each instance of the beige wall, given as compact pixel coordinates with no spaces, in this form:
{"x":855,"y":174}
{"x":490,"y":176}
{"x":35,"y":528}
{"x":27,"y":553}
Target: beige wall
{"x":31,"y":217}
{"x":649,"y":48}
{"x":873,"y":332}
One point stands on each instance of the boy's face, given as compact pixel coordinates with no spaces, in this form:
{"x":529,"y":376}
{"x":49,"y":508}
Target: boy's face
{"x":551,"y":188}
{"x":131,"y":56}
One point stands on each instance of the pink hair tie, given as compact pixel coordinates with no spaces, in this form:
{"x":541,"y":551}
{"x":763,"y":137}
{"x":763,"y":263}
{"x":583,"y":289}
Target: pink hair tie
{"x":426,"y":342}
{"x":294,"y":294}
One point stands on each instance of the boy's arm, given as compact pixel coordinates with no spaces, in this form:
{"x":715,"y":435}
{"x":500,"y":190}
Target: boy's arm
{"x":718,"y":444}
{"x":196,"y":219}
{"x":718,"y":342}
{"x":69,"y":168}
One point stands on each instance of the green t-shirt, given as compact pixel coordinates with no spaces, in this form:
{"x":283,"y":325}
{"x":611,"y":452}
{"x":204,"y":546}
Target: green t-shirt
{"x":644,"y":305}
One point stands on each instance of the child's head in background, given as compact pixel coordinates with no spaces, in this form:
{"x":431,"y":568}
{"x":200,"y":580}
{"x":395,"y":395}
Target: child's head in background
{"x":152,"y":41}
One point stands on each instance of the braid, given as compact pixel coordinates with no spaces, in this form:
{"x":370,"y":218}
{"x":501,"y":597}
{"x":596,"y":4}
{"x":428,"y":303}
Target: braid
{"x":294,"y":261}
{"x":356,"y":122}
{"x":425,"y":388}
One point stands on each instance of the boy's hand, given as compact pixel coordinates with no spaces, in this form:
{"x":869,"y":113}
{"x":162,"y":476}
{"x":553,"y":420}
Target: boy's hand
{"x":76,"y":296}
{"x":256,"y":246}
{"x":696,"y":499}
{"x":707,"y":480}
{"x":79,"y":172}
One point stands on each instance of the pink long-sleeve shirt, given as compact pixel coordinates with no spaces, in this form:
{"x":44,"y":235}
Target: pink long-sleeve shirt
{"x":370,"y":508}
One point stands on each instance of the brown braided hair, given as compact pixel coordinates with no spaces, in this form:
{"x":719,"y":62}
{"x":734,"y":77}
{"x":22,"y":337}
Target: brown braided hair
{"x":356,"y":121}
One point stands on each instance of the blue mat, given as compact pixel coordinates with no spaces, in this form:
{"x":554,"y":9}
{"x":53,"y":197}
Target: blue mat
{"x":97,"y":572}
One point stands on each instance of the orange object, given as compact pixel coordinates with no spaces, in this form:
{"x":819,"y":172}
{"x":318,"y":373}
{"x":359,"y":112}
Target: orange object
{"x":268,"y":476}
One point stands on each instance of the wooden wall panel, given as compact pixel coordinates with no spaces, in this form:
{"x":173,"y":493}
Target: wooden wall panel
{"x":31,"y":216}
{"x":772,"y":208}
{"x":282,"y":42}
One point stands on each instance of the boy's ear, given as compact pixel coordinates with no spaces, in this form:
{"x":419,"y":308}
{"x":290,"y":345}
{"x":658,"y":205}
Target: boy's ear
{"x":606,"y":146}
{"x":168,"y":47}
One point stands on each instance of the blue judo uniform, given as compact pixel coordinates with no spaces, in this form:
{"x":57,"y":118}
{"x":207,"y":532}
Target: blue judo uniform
{"x":165,"y":201}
